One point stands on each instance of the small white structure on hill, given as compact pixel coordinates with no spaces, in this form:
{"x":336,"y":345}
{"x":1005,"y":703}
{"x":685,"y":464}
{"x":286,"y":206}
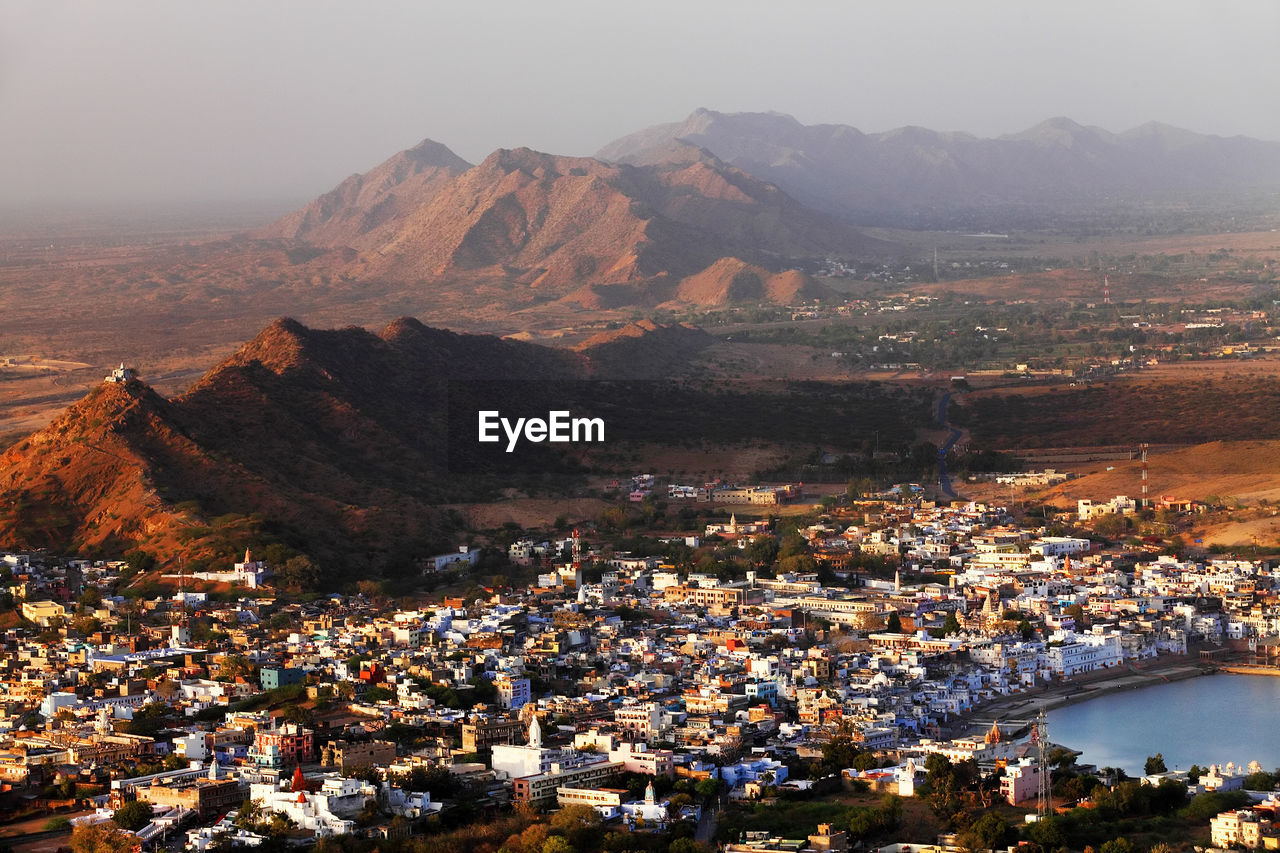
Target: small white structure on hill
{"x":121,"y":375}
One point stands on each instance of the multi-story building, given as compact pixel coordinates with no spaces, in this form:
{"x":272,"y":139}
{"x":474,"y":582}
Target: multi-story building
{"x":207,"y":797}
{"x":513,"y":693}
{"x":286,"y":746}
{"x":541,"y":787}
{"x":478,"y":734}
{"x":642,"y":721}
{"x":348,"y":756}
{"x":273,"y":677}
{"x":1020,"y":781}
{"x":1244,"y":828}
{"x":1083,"y":653}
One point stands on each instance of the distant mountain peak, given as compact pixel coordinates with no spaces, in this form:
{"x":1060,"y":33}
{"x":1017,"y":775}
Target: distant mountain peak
{"x":914,"y":177}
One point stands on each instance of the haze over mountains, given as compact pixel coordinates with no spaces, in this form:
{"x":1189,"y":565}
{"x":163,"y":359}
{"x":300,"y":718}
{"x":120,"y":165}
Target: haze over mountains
{"x":727,"y":208}
{"x":913,"y":175}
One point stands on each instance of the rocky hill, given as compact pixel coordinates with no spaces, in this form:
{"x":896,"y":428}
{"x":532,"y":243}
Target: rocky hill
{"x":563,"y":226}
{"x":915,"y":176}
{"x":354,"y":211}
{"x":335,"y":441}
{"x":340,"y":443}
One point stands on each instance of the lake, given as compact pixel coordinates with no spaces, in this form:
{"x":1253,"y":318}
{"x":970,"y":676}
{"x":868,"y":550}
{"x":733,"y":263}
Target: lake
{"x":1209,"y":720}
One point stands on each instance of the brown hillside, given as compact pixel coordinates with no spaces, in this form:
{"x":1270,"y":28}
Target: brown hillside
{"x":352,"y":213}
{"x":335,"y":440}
{"x":643,"y":350}
{"x":1247,"y":470}
{"x":730,"y":280}
{"x":88,"y":480}
{"x":561,"y":225}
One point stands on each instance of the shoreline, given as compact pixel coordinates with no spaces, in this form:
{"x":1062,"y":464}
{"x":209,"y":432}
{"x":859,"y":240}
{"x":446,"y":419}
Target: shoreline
{"x":1023,"y":706}
{"x":1250,"y":669}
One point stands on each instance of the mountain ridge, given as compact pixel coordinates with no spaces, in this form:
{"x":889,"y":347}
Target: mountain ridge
{"x":912,"y":172}
{"x":338,"y":442}
{"x":562,"y":227}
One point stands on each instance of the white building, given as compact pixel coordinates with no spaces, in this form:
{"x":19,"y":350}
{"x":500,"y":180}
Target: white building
{"x":1082,"y":653}
{"x":329,"y":811}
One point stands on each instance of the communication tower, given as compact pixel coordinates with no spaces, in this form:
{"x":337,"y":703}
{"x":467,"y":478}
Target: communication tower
{"x":1143,"y":448}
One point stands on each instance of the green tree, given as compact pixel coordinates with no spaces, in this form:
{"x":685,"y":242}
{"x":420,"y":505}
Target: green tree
{"x":133,"y":815}
{"x":298,"y":573}
{"x":1154,"y":764}
{"x":762,"y":551}
{"x":894,"y":625}
{"x":1049,"y":833}
{"x":686,"y":845}
{"x":67,"y":787}
{"x":1119,"y":845}
{"x":988,"y":832}
{"x":1260,"y":781}
{"x":707,"y":788}
{"x":951,"y":625}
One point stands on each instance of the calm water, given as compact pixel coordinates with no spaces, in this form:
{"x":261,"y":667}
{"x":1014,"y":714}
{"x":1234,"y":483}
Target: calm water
{"x":1208,"y":720}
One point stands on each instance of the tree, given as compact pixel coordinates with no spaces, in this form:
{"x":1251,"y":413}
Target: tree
{"x":1154,"y":764}
{"x":1260,"y":781}
{"x":67,"y":787}
{"x":557,"y":844}
{"x":762,"y":551}
{"x":102,"y":838}
{"x":951,"y":625}
{"x":988,"y":832}
{"x":686,"y":845}
{"x":707,"y":788}
{"x":894,"y":624}
{"x":1118,"y":845}
{"x":249,"y":814}
{"x":133,"y":815}
{"x":1048,"y":833}
{"x":298,"y":573}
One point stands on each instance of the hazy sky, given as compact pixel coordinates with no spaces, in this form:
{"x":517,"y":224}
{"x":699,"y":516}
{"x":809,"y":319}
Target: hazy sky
{"x":170,"y":100}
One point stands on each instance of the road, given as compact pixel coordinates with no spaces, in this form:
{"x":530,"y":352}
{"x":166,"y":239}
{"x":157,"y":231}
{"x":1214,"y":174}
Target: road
{"x":707,"y":822}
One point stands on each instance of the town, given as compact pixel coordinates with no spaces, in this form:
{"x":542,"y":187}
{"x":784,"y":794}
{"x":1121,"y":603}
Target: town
{"x":638,"y":689}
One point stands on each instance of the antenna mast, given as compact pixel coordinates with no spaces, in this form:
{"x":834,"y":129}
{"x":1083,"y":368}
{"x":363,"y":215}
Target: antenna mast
{"x":1143,"y":447}
{"x":1043,"y":777}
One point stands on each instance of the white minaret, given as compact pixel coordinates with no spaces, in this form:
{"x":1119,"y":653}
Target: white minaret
{"x":535,"y":733}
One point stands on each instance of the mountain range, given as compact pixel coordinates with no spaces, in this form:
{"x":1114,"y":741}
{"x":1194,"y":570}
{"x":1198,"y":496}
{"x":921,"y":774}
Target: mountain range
{"x":913,"y":175}
{"x":571,"y":228}
{"x":726,"y":209}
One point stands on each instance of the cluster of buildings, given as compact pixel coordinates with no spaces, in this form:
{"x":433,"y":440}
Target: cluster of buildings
{"x":611,"y":664}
